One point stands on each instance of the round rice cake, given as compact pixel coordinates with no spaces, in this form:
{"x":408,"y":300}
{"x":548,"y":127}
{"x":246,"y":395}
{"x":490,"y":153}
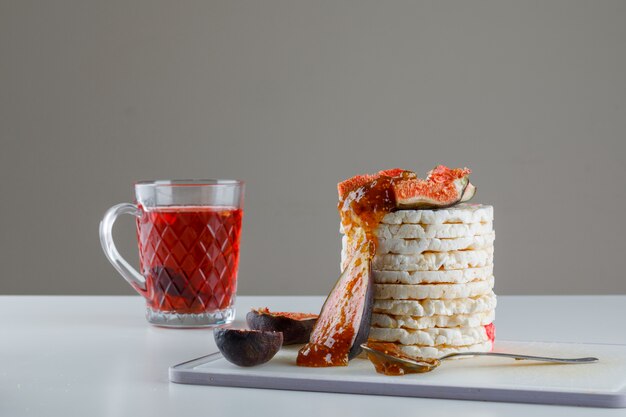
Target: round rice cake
{"x":461,"y":213}
{"x":454,"y":276}
{"x":439,"y":351}
{"x":423,"y":231}
{"x":437,"y":291}
{"x":415,"y":246}
{"x":431,"y":261}
{"x":415,"y":322}
{"x":435,"y":307}
{"x":434,"y":336}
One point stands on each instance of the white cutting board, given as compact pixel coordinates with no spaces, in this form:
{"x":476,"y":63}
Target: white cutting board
{"x":601,"y":384}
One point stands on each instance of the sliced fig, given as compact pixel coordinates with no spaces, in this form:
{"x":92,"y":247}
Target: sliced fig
{"x":469,"y":192}
{"x":344,"y":187}
{"x":247,"y":347}
{"x":384,"y":365}
{"x":295,"y":327}
{"x":344,"y":321}
{"x":397,"y":172}
{"x":357,"y":181}
{"x":444,"y":187}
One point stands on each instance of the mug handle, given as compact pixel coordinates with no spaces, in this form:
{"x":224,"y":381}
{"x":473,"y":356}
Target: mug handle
{"x":130,"y":274}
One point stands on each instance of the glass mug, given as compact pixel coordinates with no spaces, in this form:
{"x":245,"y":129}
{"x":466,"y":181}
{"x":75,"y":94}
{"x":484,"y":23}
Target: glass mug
{"x":188,"y":232}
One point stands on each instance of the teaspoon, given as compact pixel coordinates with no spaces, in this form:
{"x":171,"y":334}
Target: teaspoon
{"x":398,"y":365}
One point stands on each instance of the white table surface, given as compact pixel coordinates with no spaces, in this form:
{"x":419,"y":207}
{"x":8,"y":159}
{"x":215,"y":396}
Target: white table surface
{"x":96,"y":356}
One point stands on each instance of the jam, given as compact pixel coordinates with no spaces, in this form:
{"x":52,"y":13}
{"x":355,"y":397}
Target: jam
{"x":393,"y":368}
{"x":365,"y":206}
{"x":361,"y":210}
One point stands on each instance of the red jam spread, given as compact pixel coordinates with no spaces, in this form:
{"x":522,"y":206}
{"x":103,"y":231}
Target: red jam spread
{"x":388,"y":367}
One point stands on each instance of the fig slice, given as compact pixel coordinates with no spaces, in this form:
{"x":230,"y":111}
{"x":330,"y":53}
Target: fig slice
{"x":245,"y":347}
{"x":351,"y":184}
{"x":444,"y":187}
{"x":344,"y":187}
{"x":295,"y":327}
{"x":344,"y":321}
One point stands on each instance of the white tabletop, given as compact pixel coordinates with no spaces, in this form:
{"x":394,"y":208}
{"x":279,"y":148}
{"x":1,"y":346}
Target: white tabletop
{"x":96,"y":356}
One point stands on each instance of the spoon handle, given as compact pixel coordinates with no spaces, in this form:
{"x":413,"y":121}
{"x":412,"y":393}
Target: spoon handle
{"x":522,"y":357}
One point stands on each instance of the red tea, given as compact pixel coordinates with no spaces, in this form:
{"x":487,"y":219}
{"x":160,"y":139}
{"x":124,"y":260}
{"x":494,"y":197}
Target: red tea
{"x":189,"y":257}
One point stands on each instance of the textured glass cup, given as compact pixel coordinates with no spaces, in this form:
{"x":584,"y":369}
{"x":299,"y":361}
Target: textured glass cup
{"x":188,"y":232}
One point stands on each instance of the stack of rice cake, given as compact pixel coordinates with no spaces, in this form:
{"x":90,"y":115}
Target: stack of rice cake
{"x":433,"y":274}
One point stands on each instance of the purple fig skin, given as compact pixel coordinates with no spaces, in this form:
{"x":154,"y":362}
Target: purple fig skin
{"x":294,"y":331}
{"x":247,"y":347}
{"x":468,"y":193}
{"x":366,"y":319}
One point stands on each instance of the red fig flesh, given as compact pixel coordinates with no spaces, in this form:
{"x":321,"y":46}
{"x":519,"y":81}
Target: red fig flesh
{"x":444,"y":187}
{"x":357,"y":181}
{"x":353,"y":183}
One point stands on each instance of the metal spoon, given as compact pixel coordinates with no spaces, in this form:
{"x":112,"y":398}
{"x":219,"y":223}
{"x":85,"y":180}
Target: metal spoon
{"x":428,"y":364}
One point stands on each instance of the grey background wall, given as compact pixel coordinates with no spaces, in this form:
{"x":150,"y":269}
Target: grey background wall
{"x":293,"y":96}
